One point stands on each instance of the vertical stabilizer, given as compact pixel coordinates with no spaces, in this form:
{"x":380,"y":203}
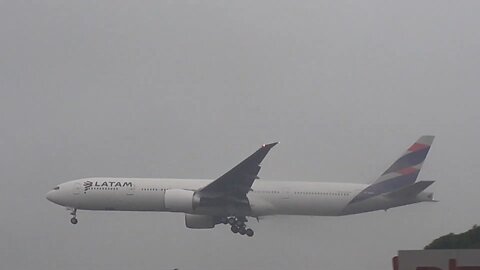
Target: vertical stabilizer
{"x":403,"y":172}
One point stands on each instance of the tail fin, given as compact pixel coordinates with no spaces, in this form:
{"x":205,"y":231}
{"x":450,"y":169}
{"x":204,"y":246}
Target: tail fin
{"x":403,"y":172}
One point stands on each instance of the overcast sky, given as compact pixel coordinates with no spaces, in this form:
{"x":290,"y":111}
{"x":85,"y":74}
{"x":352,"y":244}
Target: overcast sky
{"x":188,"y":89}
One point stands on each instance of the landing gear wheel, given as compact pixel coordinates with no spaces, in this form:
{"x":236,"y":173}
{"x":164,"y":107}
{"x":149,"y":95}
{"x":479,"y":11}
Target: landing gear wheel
{"x":240,"y":223}
{"x":74,"y":220}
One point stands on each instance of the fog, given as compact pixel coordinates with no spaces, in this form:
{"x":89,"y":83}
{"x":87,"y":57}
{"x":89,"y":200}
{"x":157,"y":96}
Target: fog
{"x":188,"y":89}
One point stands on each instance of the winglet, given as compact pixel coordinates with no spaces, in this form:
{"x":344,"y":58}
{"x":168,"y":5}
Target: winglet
{"x":270,"y":145}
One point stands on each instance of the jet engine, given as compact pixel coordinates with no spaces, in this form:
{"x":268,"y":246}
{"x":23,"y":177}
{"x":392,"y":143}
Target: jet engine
{"x":199,"y":221}
{"x":180,"y":200}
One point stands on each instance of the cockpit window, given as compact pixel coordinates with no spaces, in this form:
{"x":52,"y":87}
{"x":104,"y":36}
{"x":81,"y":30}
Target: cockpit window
{"x":56,"y":188}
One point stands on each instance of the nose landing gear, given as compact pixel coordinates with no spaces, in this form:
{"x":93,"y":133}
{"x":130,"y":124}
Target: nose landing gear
{"x":74,"y":219}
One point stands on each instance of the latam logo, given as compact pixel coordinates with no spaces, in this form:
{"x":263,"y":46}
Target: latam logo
{"x":452,"y":265}
{"x":87,"y":185}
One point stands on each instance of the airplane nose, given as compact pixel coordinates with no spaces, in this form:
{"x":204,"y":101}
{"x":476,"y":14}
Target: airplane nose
{"x":50,"y":196}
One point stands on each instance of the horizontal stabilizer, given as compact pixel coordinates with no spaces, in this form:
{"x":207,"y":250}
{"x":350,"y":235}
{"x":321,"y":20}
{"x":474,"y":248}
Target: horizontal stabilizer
{"x":411,"y":190}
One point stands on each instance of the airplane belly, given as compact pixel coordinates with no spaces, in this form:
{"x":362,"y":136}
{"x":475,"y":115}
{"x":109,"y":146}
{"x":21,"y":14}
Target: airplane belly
{"x":303,"y":205}
{"x":260,"y":206}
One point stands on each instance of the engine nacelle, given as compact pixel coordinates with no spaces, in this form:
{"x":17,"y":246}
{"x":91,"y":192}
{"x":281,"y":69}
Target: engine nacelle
{"x":179,"y":200}
{"x":199,"y":221}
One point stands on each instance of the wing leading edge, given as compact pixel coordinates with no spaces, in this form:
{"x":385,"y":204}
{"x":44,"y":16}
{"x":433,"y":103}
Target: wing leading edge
{"x":238,"y":181}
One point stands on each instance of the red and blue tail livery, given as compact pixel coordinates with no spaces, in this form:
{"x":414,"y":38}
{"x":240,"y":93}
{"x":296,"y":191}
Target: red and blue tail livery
{"x":402,"y":173}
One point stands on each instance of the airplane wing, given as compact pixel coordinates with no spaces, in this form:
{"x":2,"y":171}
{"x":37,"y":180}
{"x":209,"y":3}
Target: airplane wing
{"x":238,"y":181}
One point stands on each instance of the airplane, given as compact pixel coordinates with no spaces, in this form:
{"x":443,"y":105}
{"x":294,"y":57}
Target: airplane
{"x":236,"y":195}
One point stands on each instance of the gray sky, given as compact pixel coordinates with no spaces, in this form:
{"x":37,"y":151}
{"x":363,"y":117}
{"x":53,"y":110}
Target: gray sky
{"x":189,"y":88}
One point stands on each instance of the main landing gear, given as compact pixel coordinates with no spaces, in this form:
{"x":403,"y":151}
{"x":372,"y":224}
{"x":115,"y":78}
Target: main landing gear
{"x":238,"y":225}
{"x":74,"y":219}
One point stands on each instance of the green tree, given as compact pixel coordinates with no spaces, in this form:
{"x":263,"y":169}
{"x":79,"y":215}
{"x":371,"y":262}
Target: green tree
{"x":467,"y":240}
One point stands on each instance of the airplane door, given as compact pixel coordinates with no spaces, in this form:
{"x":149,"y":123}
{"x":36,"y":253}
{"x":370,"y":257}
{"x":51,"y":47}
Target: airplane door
{"x":77,"y":188}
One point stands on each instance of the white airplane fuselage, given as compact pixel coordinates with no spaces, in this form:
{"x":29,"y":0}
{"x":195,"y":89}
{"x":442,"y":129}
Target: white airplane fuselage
{"x":265,"y":198}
